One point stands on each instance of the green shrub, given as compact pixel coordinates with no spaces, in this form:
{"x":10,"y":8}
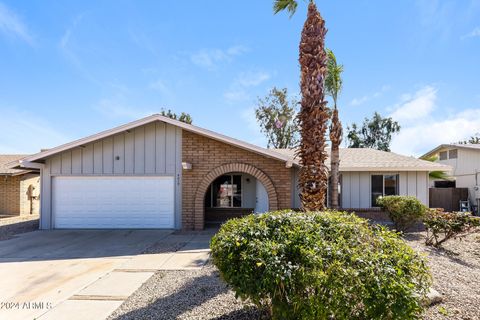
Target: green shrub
{"x":442,"y":226}
{"x":404,"y":211}
{"x":320,"y":265}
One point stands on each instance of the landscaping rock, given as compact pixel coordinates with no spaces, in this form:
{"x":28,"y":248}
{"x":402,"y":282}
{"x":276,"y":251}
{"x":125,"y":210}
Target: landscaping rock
{"x":434,"y":297}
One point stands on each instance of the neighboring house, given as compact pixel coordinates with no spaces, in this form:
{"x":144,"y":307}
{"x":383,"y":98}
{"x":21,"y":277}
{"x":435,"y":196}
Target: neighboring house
{"x":465,"y":162}
{"x":19,"y":189}
{"x":162,"y":173}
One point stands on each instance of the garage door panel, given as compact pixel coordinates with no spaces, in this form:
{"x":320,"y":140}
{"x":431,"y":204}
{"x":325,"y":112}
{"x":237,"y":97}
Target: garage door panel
{"x":113,"y":202}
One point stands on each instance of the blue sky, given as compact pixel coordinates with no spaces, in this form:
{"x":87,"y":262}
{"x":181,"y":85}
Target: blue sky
{"x":70,"y":69}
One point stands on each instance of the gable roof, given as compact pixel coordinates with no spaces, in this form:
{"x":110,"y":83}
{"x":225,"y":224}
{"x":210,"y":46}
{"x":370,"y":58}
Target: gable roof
{"x":38,"y":157}
{"x":366,"y":159}
{"x":449,"y":146}
{"x":351,"y":159}
{"x":6,"y":159}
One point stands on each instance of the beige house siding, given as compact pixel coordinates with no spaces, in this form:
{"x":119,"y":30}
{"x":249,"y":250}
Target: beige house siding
{"x":30,"y":205}
{"x":149,"y":150}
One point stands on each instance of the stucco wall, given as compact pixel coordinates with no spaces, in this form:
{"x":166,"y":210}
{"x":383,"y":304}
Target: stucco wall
{"x":29,"y":205}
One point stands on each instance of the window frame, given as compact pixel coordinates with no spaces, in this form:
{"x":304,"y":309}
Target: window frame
{"x":212,"y":200}
{"x":440,"y":155}
{"x":383,"y":175}
{"x":455,"y":152}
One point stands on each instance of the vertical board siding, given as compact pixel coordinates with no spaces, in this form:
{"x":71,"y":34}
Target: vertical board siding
{"x":160,"y":146}
{"x":87,"y":159}
{"x":355,"y":190}
{"x":150,"y":152}
{"x":412,"y":184}
{"x":365,"y":190}
{"x":403,"y":184}
{"x":139,"y":150}
{"x":170,"y":149}
{"x":56,"y":164}
{"x":146,"y":150}
{"x":153,"y":149}
{"x":108,"y":155}
{"x":346,"y":185}
{"x":422,"y":187}
{"x":119,"y":154}
{"x":67,"y":163}
{"x":98,"y":158}
{"x":77,"y":161}
{"x":129,"y":152}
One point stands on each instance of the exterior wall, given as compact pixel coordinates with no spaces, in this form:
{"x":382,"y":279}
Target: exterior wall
{"x":29,"y":205}
{"x":10,"y":195}
{"x":150,"y":150}
{"x":207,"y":154}
{"x":464,"y":170}
{"x":356,"y":188}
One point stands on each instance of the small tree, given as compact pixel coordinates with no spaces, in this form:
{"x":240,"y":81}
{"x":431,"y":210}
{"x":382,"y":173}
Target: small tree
{"x":184,"y":117}
{"x":375,"y":133}
{"x":276,"y":115}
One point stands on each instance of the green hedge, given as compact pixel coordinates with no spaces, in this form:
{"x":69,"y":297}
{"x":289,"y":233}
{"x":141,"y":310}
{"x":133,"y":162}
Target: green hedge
{"x":404,"y":211}
{"x":324,"y":265}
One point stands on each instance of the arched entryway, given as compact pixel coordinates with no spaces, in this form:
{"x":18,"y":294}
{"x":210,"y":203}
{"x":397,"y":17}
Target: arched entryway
{"x":232,"y":169}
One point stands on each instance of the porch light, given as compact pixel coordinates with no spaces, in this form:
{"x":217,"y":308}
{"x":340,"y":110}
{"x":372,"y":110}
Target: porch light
{"x":186,"y":166}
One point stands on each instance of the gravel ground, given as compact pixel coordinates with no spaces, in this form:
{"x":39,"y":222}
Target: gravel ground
{"x":200,"y":294}
{"x":456,"y":275}
{"x":10,"y":226}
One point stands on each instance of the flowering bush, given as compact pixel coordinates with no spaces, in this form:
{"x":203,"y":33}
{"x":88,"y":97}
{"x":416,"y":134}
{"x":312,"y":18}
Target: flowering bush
{"x":320,"y":265}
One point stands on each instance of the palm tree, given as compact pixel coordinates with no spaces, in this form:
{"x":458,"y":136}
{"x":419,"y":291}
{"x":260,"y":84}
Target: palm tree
{"x":437,"y":175}
{"x":314,"y":113}
{"x":333,"y":86}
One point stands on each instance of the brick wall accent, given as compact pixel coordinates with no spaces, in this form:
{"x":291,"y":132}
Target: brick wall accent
{"x":10,"y":195}
{"x":210,"y":159}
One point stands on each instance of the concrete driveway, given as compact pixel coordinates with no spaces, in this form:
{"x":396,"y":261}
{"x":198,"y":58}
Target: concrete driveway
{"x":41,"y":269}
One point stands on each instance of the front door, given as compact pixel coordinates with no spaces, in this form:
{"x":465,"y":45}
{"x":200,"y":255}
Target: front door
{"x":261,"y":204}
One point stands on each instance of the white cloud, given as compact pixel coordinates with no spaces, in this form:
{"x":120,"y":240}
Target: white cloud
{"x":361,"y":100}
{"x":211,"y":58}
{"x":473,"y":34}
{"x":12,"y":26}
{"x":424,"y":125}
{"x":238,"y":88}
{"x":24,"y":132}
{"x":417,"y":107}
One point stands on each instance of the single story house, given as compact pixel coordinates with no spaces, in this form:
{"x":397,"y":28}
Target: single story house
{"x":157,"y":172}
{"x":19,"y":188}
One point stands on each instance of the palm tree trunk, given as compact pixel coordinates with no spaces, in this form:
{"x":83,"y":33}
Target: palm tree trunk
{"x":313,"y":116}
{"x":336,"y":139}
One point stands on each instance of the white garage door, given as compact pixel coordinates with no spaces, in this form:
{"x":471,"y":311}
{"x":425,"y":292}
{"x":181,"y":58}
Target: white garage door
{"x":113,"y":202}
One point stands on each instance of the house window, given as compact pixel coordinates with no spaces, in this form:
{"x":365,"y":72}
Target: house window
{"x":452,"y":154}
{"x":225,"y":192}
{"x":383,"y":185}
{"x":443,"y":155}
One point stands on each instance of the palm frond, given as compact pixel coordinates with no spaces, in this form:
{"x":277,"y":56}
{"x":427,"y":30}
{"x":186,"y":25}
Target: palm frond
{"x":289,"y":5}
